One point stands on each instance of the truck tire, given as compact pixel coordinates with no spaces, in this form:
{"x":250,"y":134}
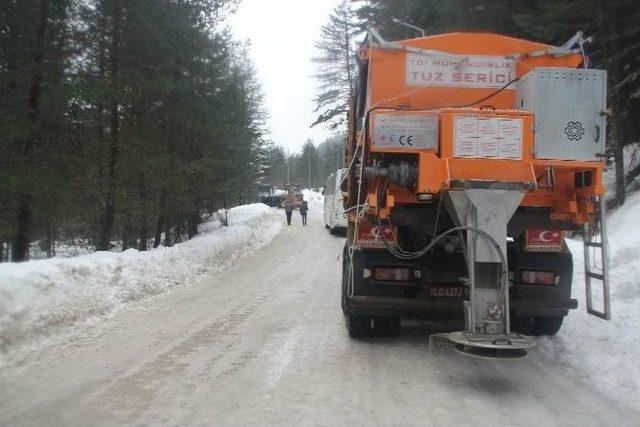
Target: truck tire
{"x":386,"y":326}
{"x":538,"y":325}
{"x":358,"y":326}
{"x":344,"y":299}
{"x":547,"y":325}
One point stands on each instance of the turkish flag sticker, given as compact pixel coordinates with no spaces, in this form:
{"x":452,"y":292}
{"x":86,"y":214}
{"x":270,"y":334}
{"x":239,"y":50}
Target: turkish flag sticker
{"x":370,"y":235}
{"x":542,"y":240}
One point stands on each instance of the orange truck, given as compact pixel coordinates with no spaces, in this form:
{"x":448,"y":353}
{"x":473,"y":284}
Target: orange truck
{"x":470,"y":158}
{"x":294,"y":195}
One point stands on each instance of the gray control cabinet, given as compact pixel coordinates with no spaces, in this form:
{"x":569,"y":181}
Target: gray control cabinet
{"x":569,"y":106}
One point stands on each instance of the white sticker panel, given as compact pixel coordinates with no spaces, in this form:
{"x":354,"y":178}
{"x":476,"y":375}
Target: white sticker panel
{"x":493,"y":137}
{"x":405,"y":131}
{"x":458,"y":70}
{"x":488,"y":137}
{"x":510,"y":139}
{"x":466,"y":137}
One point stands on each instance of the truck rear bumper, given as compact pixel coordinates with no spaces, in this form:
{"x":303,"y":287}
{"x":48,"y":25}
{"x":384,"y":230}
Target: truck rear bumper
{"x":543,"y":308}
{"x":373,"y":305}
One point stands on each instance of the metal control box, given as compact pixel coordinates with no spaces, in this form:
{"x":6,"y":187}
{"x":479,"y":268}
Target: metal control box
{"x":569,"y":106}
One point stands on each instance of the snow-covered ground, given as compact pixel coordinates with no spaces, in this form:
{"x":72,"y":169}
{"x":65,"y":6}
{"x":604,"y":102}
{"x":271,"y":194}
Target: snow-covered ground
{"x":607,"y":353}
{"x":41,"y":297}
{"x":263,"y":342}
{"x":313,"y":198}
{"x":279,"y":342}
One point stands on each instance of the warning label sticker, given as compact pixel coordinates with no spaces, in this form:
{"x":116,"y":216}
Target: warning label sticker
{"x":491,"y":137}
{"x":405,"y":131}
{"x":466,"y":139}
{"x":510,"y":138}
{"x":459,"y":70}
{"x":488,"y":137}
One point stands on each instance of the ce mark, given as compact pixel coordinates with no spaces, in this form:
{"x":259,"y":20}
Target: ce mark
{"x":406,"y":140}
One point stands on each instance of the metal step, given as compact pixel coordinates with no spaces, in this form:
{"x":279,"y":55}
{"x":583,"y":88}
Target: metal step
{"x":595,"y":275}
{"x":595,"y":245}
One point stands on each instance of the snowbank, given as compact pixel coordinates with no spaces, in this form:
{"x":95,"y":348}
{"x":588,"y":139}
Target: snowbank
{"x":38,"y":298}
{"x":607,"y":354}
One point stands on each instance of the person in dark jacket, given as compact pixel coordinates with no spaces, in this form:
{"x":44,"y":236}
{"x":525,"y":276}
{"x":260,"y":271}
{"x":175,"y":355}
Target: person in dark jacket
{"x":303,"y":212}
{"x":288,"y":210}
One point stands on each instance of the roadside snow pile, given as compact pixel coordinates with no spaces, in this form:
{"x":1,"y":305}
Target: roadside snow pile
{"x":607,"y":353}
{"x":38,"y":298}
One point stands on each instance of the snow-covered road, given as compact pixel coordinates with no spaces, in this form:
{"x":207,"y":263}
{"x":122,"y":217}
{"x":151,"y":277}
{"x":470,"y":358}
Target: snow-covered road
{"x":262,"y":342}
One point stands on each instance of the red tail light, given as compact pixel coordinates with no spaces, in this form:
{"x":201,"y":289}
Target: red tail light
{"x":532,"y":277}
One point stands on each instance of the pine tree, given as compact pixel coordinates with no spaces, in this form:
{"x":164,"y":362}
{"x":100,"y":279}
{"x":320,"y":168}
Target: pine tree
{"x":331,"y":154}
{"x":441,"y":16}
{"x":274,"y":160}
{"x":336,"y":66}
{"x":619,"y":45}
{"x":33,"y":51}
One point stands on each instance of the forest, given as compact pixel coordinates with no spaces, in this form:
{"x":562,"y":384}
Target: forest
{"x":121,"y":122}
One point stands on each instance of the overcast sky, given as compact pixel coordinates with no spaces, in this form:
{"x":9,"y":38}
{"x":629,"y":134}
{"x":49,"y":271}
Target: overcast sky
{"x":282,"y":34}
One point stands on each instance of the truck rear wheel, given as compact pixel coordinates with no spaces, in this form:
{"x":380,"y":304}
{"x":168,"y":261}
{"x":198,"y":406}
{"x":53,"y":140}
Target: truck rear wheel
{"x":538,"y":325}
{"x":547,"y":325}
{"x":386,"y":326}
{"x":344,"y":299}
{"x":358,"y":326}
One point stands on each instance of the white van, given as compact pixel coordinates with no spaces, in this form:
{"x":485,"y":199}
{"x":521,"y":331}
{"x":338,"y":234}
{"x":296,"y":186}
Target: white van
{"x":334,"y":217}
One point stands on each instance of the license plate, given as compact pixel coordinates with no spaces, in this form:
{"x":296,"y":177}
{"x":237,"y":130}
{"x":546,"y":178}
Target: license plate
{"x":450,"y":292}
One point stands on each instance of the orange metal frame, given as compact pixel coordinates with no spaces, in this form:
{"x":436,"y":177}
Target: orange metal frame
{"x":438,"y":167}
